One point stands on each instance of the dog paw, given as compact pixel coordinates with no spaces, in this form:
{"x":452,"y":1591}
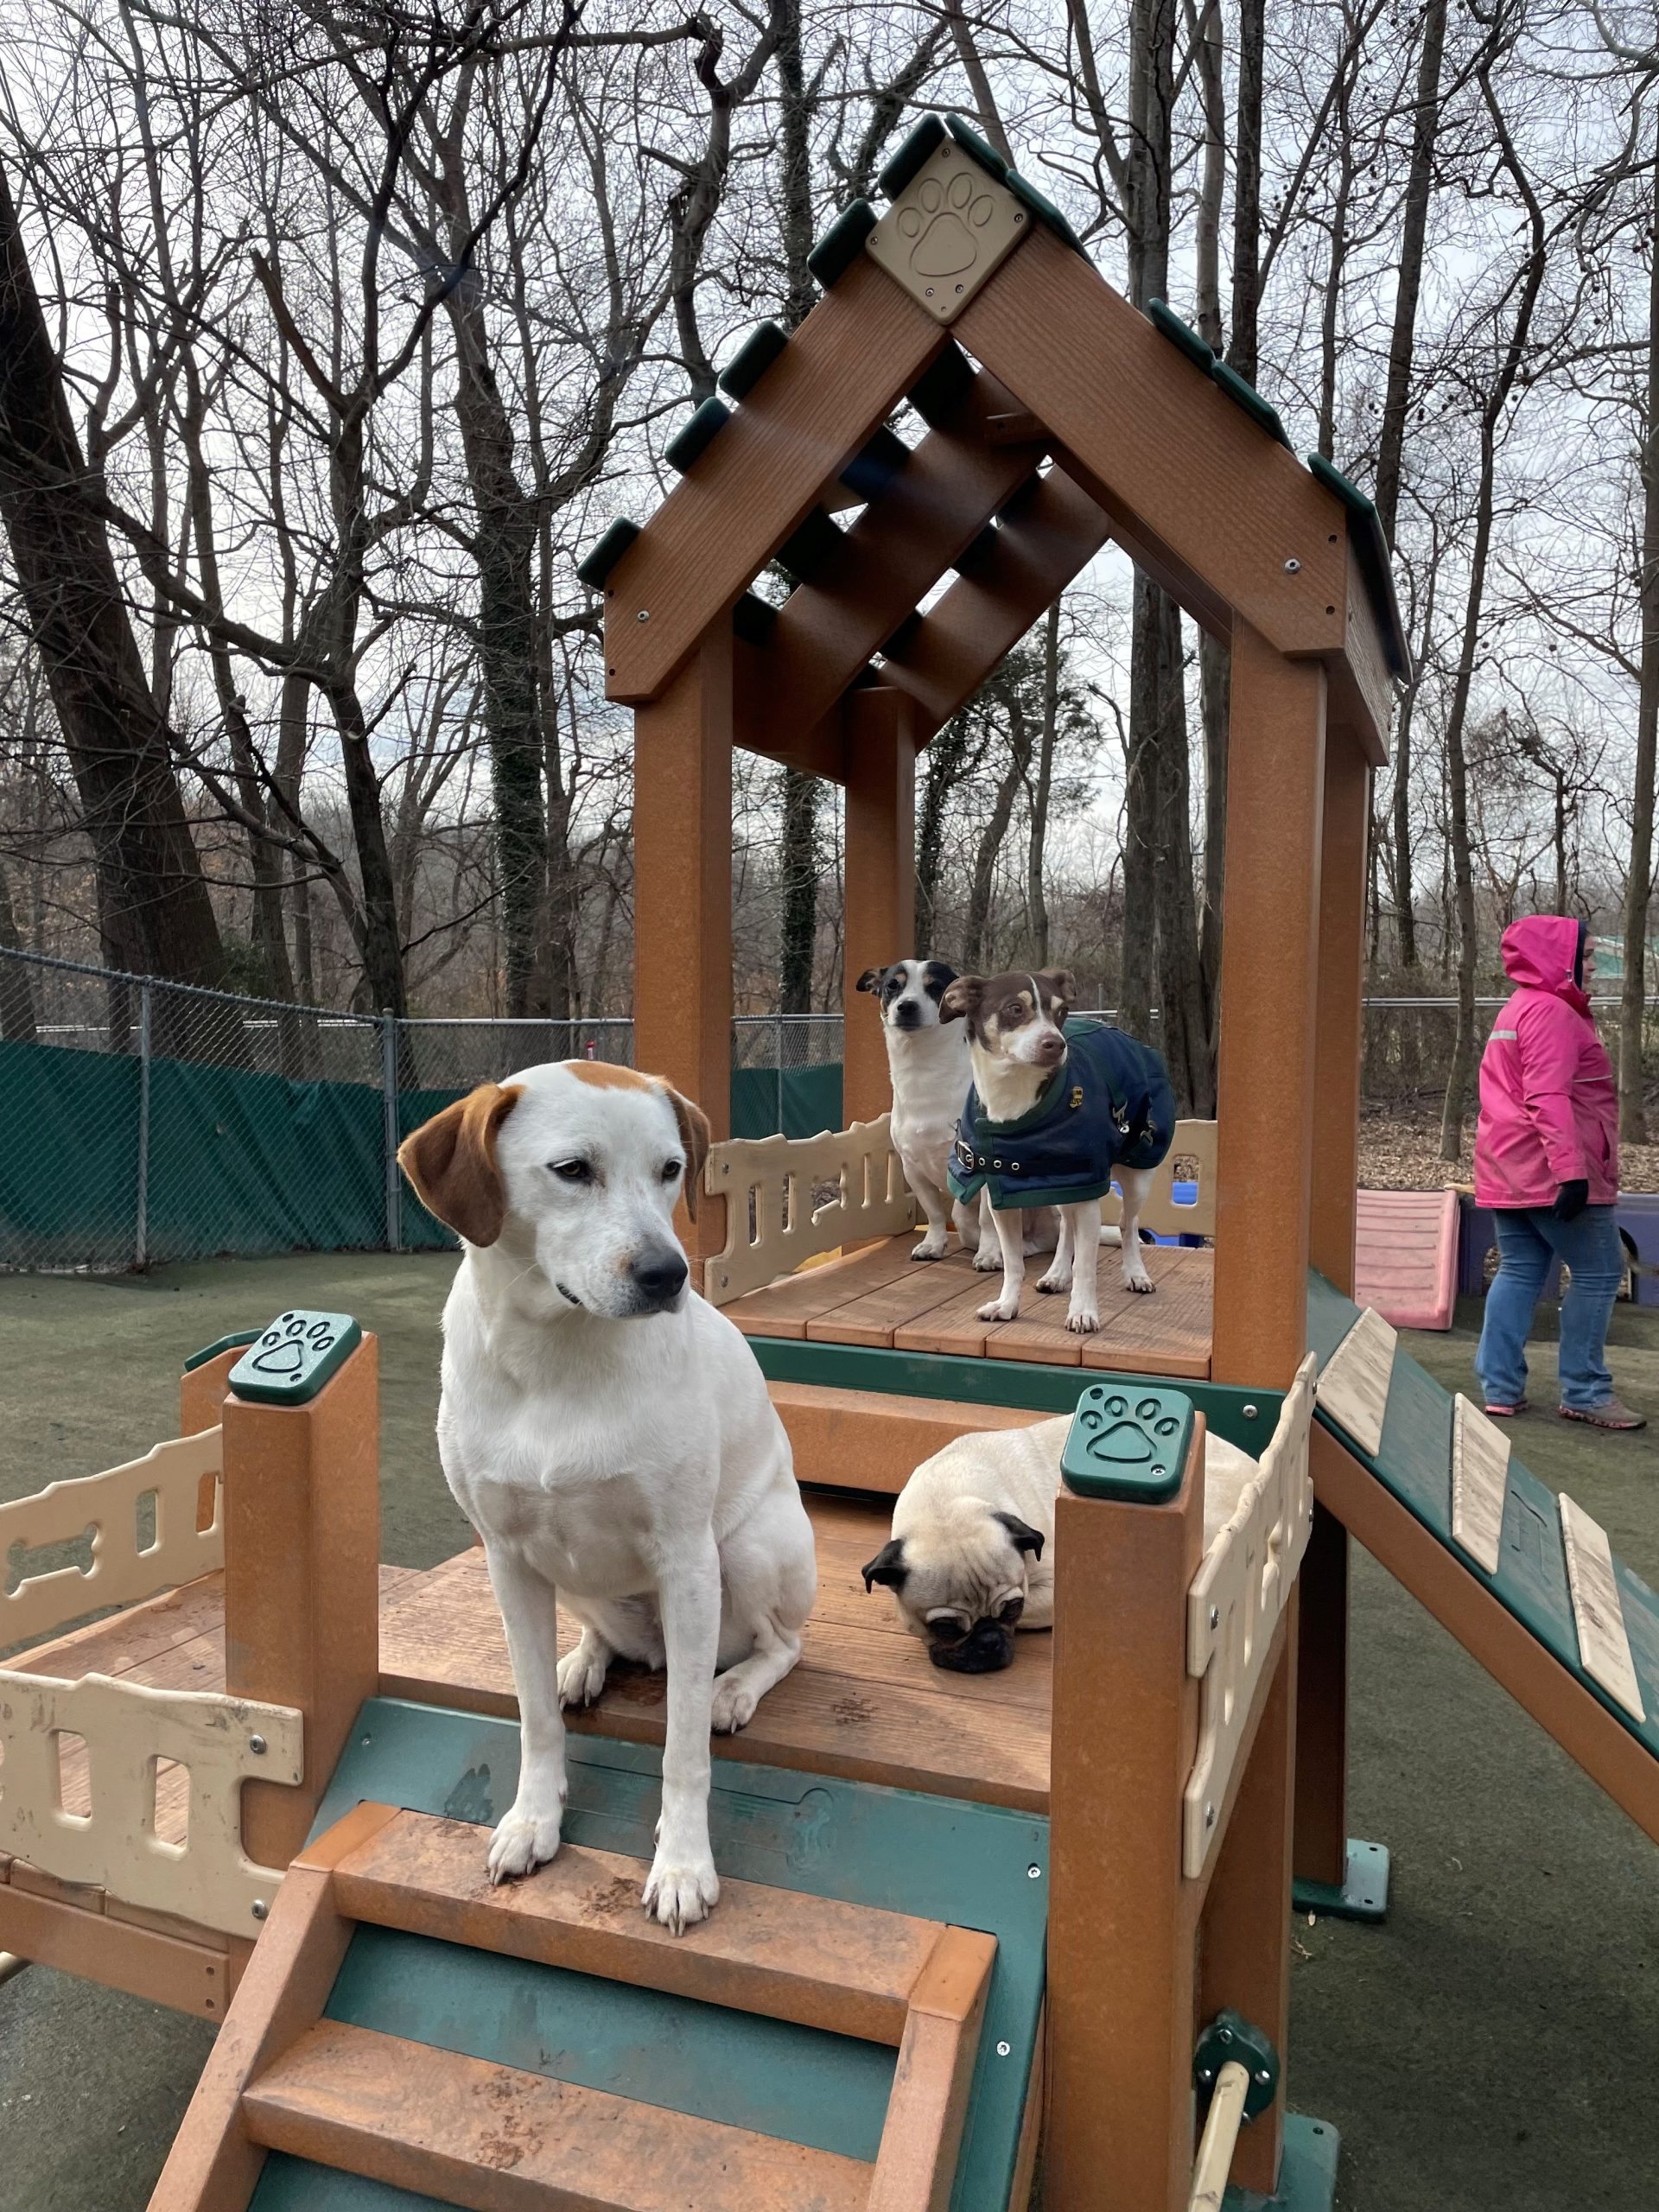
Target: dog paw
{"x":732,"y":1707}
{"x":1083,"y":1323}
{"x":521,"y":1843}
{"x":581,"y":1675}
{"x":1050,"y":1283}
{"x":928,"y":1250}
{"x":999,"y":1309}
{"x":679,"y":1896}
{"x":1138,"y":1280}
{"x":988,"y":1261}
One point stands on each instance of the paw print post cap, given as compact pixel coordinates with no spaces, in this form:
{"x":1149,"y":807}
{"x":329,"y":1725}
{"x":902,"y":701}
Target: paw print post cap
{"x":1129,"y":1441}
{"x":948,"y":229}
{"x":287,"y":1364}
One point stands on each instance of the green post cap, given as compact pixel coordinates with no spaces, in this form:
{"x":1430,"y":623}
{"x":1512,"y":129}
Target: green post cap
{"x":1245,"y":395}
{"x":1169,"y":324}
{"x":597,"y":565}
{"x":697,"y":435}
{"x":1231,"y":2036}
{"x":752,"y":359}
{"x":294,"y":1357}
{"x":1128,"y":1441}
{"x":913,"y":154}
{"x":841,"y":244}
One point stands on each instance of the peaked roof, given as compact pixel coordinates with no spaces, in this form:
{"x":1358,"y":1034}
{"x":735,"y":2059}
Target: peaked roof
{"x":1152,"y":444}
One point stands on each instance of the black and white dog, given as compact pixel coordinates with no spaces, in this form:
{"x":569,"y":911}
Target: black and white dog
{"x":931,"y":1075}
{"x":933,"y":1071}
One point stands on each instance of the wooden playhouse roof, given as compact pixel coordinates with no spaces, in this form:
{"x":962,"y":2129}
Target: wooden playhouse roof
{"x":1057,"y":417}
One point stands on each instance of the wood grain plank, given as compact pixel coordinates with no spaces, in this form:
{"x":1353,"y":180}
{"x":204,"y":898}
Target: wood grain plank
{"x":1168,"y":458}
{"x":190,"y":1977}
{"x":873,"y":1318}
{"x":1480,"y":1482}
{"x":1599,"y":1616}
{"x":1167,"y":1333}
{"x":1353,"y":1384}
{"x":495,"y":2139}
{"x":784,"y":1307}
{"x":843,"y":371}
{"x":842,"y":1967}
{"x":872,"y":1440}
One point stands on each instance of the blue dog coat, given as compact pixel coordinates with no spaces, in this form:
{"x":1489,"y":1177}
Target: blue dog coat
{"x":1109,"y":1106}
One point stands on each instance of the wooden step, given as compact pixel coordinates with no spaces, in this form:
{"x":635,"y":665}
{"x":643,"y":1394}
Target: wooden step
{"x":493,"y":2139}
{"x":849,"y":1969}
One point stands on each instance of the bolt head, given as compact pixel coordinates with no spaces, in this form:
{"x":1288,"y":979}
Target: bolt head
{"x":644,"y":615}
{"x":260,"y":1908}
{"x":1215,"y":1615}
{"x":1033,"y":1873}
{"x":1249,"y":1413}
{"x":1263,"y":2076}
{"x":1004,"y":2049}
{"x":1209,"y":1816}
{"x":1292,"y":568}
{"x":258,"y":1746}
{"x":1224,"y":2035}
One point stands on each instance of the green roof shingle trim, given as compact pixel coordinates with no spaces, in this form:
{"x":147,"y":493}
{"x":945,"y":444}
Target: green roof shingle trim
{"x":751,"y":360}
{"x":915,"y":150}
{"x":698,"y":434}
{"x":1169,"y":324}
{"x":1365,"y":530}
{"x":1043,"y":208}
{"x":1245,"y":395}
{"x":980,"y":148}
{"x":598,"y":564}
{"x":841,"y":244}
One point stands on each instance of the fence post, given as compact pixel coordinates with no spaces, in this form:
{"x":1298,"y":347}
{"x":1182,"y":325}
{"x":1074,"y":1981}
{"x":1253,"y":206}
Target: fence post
{"x":141,"y":1209}
{"x":389,"y":1106}
{"x":779,"y":1057}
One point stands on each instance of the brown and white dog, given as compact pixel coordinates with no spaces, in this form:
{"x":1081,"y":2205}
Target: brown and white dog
{"x":1017,"y":1045}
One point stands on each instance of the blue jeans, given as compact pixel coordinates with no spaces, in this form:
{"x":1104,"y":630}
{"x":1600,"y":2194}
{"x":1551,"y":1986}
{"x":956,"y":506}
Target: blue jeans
{"x":1529,"y":1241}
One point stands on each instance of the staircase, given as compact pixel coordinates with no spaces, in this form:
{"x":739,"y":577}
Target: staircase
{"x":292,"y":2075}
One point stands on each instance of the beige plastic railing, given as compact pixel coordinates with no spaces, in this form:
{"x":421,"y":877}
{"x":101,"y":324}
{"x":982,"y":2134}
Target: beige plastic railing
{"x":789,"y":1198}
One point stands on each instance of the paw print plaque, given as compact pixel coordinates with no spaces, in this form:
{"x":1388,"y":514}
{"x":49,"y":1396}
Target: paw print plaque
{"x":951,"y":226}
{"x":1129,"y":1441}
{"x":288,"y":1362}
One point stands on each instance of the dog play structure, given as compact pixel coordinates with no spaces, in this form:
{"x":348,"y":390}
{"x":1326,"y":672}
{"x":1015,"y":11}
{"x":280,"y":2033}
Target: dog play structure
{"x":963,"y":1917}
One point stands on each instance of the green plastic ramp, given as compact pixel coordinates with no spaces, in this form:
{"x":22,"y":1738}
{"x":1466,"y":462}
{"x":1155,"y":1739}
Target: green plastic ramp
{"x":1545,"y":1563}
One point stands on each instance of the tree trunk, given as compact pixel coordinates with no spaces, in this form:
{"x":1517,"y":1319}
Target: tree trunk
{"x":976,"y":936}
{"x":16,"y":1000}
{"x":944,"y":758}
{"x":798,"y":861}
{"x":378,"y":942}
{"x":1036,"y":895}
{"x":1420,"y":179}
{"x":155,"y":913}
{"x":1632,"y":1109}
{"x":1243,"y":351}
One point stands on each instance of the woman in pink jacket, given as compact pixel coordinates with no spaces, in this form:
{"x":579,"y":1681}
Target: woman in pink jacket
{"x":1547,"y":1162}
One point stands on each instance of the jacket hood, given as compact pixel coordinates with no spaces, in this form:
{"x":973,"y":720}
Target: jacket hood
{"x":1541,"y":951}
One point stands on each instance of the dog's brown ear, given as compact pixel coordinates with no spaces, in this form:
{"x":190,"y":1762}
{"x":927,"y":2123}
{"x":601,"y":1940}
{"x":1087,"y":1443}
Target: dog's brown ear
{"x":962,"y":998}
{"x":1062,"y":983}
{"x":887,"y":1566}
{"x":694,"y":1135}
{"x":451,"y":1162}
{"x":870,"y":980}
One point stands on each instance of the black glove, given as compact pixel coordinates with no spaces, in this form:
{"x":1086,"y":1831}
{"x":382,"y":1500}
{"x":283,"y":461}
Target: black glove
{"x":1571,"y":1201}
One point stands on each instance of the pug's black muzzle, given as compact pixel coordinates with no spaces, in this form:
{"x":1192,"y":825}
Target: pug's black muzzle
{"x":986,"y":1650}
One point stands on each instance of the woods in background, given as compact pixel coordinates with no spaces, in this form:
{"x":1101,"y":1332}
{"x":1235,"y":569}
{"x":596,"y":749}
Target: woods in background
{"x":330,"y":339}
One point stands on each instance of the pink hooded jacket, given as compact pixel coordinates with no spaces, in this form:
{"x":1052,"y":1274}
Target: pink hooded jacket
{"x":1548,"y":1105}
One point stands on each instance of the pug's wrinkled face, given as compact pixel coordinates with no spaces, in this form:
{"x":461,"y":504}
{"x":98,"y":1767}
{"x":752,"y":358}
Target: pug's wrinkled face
{"x":960,"y":1581}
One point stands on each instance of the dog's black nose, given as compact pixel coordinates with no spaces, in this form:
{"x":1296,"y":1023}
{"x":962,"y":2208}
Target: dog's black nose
{"x":986,"y":1650}
{"x":660,"y":1279}
{"x":907,"y":1014}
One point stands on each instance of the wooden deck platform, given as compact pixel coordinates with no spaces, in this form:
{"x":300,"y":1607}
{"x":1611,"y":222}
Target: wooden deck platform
{"x":866,"y":1702}
{"x":882,"y":1297}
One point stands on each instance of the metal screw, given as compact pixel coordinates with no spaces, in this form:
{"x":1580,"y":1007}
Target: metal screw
{"x":1224,"y":2035}
{"x":1292,"y":568}
{"x":1263,"y":2077}
{"x":1215,"y":1615}
{"x":1159,"y":1470}
{"x":1206,"y":2073}
{"x":258,"y":1746}
{"x":1249,"y":1413}
{"x":1033,"y":1873}
{"x":260,"y":1908}
{"x":1209,"y":1816}
{"x":644,"y":615}
{"x":1004,"y":2049}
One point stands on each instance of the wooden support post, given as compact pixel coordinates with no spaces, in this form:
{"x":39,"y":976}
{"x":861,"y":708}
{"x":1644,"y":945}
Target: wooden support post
{"x":1322,"y":1676}
{"x":881,"y":878}
{"x":1275,"y":785}
{"x":683,"y":897}
{"x":301,"y":1578}
{"x":1121,"y":1994}
{"x":1244,"y":1947}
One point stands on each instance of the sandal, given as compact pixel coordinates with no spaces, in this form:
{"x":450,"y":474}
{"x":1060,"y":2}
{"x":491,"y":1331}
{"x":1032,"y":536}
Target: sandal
{"x":1610,"y":1413}
{"x":1506,"y":1413}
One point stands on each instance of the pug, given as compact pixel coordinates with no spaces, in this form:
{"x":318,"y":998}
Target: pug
{"x":972,"y":1558}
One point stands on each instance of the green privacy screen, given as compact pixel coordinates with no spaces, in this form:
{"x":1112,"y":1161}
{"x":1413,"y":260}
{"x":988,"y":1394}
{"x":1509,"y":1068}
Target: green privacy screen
{"x":242,"y":1162}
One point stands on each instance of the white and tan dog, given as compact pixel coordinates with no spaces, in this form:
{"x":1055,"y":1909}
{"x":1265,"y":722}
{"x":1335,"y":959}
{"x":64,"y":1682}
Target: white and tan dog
{"x":610,"y":1437}
{"x":972,"y":1555}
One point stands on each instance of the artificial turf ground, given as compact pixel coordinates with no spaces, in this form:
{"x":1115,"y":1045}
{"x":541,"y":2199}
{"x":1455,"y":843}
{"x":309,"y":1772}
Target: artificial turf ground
{"x":1491,"y":2049}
